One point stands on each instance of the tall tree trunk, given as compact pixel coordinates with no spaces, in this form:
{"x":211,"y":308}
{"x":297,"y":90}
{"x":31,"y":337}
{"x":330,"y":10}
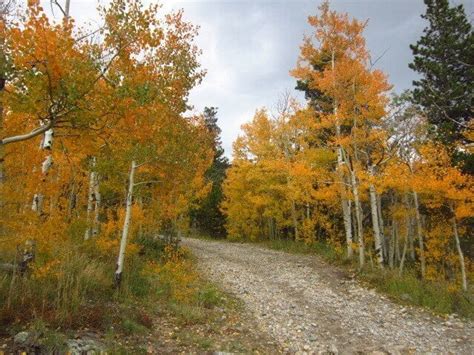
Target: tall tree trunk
{"x":358,"y":213}
{"x":404,"y":253}
{"x":375,"y":225}
{"x":46,"y":145}
{"x":397,"y":250}
{"x":126,"y":226}
{"x":346,"y":212}
{"x":407,"y":237}
{"x":375,"y":220}
{"x":419,"y":231}
{"x":96,"y":223}
{"x":460,"y":253}
{"x":295,"y":219}
{"x":66,"y":8}
{"x":384,"y":240}
{"x":346,"y":207}
{"x":71,"y":200}
{"x":3,"y":80}
{"x":2,"y":148}
{"x":90,"y":199}
{"x":392,"y":243}
{"x":411,"y":246}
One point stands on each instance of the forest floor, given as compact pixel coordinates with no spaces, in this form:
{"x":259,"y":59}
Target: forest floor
{"x":219,"y":327}
{"x":309,"y":306}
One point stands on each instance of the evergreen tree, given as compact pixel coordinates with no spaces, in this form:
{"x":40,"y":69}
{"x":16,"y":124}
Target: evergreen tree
{"x":444,"y":57}
{"x":208,"y":217}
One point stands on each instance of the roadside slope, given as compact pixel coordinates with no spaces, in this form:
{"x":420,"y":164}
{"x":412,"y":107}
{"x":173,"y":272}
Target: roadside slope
{"x":307,"y":305}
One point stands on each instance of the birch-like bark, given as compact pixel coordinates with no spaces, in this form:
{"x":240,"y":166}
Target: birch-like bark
{"x":46,"y":145}
{"x":346,"y":207}
{"x":404,"y":253}
{"x":358,"y":213}
{"x":126,"y":226}
{"x":346,"y":213}
{"x":3,"y":74}
{"x":397,"y":250}
{"x":90,"y":200}
{"x":375,"y":220}
{"x":392,"y":243}
{"x":66,"y":8}
{"x":411,"y":246}
{"x":384,"y":240}
{"x":295,"y":219}
{"x":419,"y":231}
{"x":460,"y":253}
{"x":96,"y":223}
{"x":2,"y":148}
{"x":407,"y":236}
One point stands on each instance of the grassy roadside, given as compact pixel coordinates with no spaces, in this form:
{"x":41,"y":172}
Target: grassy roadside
{"x":163,"y":306}
{"x":407,"y":289}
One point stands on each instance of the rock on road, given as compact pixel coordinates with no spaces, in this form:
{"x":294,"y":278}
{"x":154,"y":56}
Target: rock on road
{"x":308,"y":306}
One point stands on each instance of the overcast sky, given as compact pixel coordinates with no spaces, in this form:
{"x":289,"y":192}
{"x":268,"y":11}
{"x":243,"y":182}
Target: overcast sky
{"x":249,"y":46}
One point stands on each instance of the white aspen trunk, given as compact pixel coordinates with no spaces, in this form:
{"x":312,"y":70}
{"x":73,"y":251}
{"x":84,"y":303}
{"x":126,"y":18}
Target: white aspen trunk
{"x":375,"y":221}
{"x":37,"y":204}
{"x":407,"y":236}
{"x":71,"y":200}
{"x":295,"y":219}
{"x":358,"y":213}
{"x":2,"y":88}
{"x":346,"y":207}
{"x":2,"y":148}
{"x":126,"y":226}
{"x":46,"y":144}
{"x":346,"y":213}
{"x":392,"y":243}
{"x":460,"y":253}
{"x":419,"y":231}
{"x":404,"y":253}
{"x":90,"y":200}
{"x":385,"y":241}
{"x":412,"y":247}
{"x":66,"y":8}
{"x":96,"y":223}
{"x":397,"y":250}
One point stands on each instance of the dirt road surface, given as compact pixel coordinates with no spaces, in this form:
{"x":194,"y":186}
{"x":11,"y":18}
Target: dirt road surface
{"x":308,"y":306}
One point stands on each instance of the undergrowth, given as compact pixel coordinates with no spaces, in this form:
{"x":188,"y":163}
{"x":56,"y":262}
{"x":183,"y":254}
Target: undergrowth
{"x":75,"y":291}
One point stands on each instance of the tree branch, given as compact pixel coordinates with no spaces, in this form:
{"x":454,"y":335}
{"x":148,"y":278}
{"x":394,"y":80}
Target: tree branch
{"x":26,"y":136}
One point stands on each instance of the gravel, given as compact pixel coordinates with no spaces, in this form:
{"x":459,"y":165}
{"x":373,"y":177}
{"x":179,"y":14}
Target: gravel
{"x":310,"y":307}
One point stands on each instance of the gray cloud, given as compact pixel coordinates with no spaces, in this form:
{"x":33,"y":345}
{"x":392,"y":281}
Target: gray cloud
{"x":250,"y":46}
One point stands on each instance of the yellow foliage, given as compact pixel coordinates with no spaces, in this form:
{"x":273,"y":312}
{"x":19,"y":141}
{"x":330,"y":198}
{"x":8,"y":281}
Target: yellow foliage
{"x":177,"y":274}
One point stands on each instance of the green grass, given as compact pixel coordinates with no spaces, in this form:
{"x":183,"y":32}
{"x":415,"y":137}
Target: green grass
{"x":293,"y":247}
{"x":209,"y":296}
{"x":409,"y":289}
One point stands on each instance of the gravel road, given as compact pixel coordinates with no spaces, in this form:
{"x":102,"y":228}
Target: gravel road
{"x":308,"y":306}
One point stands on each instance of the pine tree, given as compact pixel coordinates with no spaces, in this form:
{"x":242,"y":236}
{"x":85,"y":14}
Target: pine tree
{"x":208,"y":217}
{"x":444,"y":57}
